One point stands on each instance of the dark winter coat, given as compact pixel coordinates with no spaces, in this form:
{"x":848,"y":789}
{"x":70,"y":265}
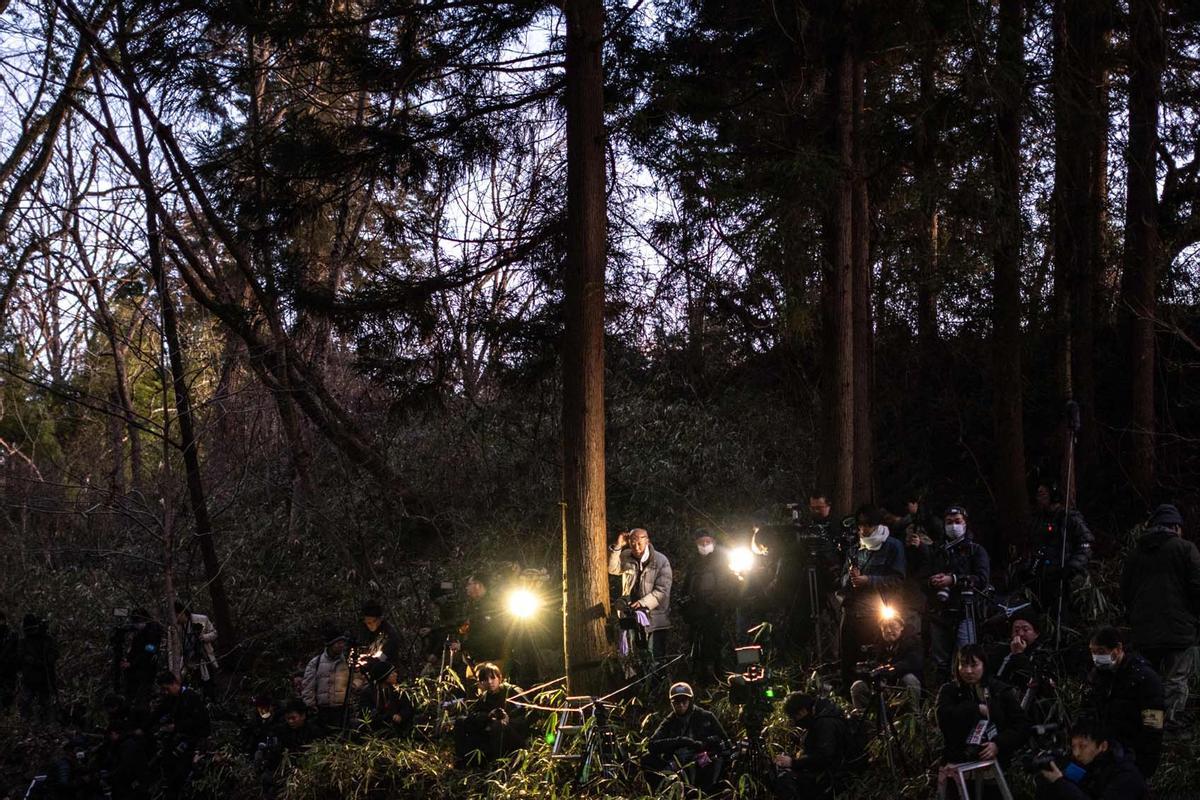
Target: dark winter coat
{"x":695,"y":730}
{"x":1017,"y":669}
{"x":886,"y":568}
{"x":37,"y":654}
{"x":1160,"y":585}
{"x":965,"y":560}
{"x":294,"y":740}
{"x":648,"y":583}
{"x":827,"y":742}
{"x":707,"y":588}
{"x":1047,"y":540}
{"x":958,"y":713}
{"x":383,"y":645}
{"x":187,"y":712}
{"x":906,"y":655}
{"x":483,"y":630}
{"x":1111,"y":776}
{"x":1129,"y":700}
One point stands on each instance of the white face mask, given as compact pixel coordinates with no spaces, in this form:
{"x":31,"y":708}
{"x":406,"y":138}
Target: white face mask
{"x":1103,"y":661}
{"x":875,"y":540}
{"x":956,"y":530}
{"x":705,"y":549}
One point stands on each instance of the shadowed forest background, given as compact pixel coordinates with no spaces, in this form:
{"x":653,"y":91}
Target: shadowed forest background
{"x":285,"y":286}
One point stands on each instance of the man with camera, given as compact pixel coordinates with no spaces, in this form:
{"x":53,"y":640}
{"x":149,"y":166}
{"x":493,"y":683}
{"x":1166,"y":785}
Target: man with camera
{"x":874,"y":577}
{"x":198,"y":637}
{"x":1126,"y":694}
{"x":645,"y":585}
{"x":1160,"y":585}
{"x":707,"y":594}
{"x":181,"y":726}
{"x":690,"y":741}
{"x":493,"y":725}
{"x":951,"y":573}
{"x":376,"y":640}
{"x":1056,"y":532}
{"x":1102,"y":769}
{"x":139,"y":662}
{"x":897,"y":662}
{"x":816,"y":771}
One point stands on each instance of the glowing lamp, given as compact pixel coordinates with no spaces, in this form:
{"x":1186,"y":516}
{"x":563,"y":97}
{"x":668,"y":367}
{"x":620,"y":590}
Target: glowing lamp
{"x":522,"y":603}
{"x":741,"y":560}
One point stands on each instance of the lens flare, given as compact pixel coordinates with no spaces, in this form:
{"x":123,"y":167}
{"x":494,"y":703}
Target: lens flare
{"x":522,"y":603}
{"x":741,"y":560}
{"x":887,"y":613}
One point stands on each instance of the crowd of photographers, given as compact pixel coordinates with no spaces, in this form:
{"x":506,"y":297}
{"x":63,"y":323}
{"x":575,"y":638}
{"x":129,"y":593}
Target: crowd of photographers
{"x":907,"y":608}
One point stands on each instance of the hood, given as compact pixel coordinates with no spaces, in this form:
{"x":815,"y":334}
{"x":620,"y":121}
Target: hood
{"x":1153,"y":539}
{"x":826,"y":708}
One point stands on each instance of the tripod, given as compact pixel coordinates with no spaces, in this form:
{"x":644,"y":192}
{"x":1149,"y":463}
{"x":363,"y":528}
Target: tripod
{"x":750,"y":757}
{"x":1073,"y":426}
{"x":602,"y":749}
{"x":885,"y":726}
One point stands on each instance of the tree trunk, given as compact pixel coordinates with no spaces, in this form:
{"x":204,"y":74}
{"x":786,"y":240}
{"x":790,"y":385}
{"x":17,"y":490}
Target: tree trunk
{"x":222,"y":615}
{"x":840,"y":388}
{"x":585,"y":581}
{"x":1011,"y":495}
{"x":1142,"y":251}
{"x":864,"y":337}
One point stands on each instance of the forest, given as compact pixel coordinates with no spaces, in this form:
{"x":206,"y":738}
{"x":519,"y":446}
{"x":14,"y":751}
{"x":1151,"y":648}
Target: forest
{"x":304,"y":304}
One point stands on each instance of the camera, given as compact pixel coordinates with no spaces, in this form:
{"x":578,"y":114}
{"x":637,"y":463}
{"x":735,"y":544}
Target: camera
{"x":874,"y":672}
{"x":1044,"y":750}
{"x":751,"y":687}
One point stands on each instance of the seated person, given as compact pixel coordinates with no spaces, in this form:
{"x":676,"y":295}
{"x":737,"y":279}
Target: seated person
{"x":299,"y":730}
{"x":181,"y":726}
{"x":1125,"y":693}
{"x":818,"y":770}
{"x":900,"y":663}
{"x":689,"y":741}
{"x":492,"y":726}
{"x":1109,"y":770}
{"x":385,"y":705}
{"x":980,"y":718}
{"x":125,"y":760}
{"x":1024,"y":663}
{"x":265,"y":717}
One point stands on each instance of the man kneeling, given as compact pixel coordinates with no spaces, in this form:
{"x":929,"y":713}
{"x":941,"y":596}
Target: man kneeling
{"x":689,"y":742}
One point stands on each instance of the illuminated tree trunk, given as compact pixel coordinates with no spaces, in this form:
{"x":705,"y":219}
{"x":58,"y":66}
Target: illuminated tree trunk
{"x":585,"y":578}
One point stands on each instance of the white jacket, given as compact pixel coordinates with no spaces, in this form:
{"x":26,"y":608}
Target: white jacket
{"x":203,"y":653}
{"x":325,"y":681}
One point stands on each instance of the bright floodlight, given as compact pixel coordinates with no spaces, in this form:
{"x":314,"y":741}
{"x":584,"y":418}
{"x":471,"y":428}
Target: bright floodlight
{"x":523,"y":603}
{"x":741,"y":560}
{"x":887,"y":613}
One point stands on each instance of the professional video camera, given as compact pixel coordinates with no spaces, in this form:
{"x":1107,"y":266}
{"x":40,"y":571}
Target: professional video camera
{"x":625,"y":615}
{"x":874,"y":672}
{"x":1046,"y":749}
{"x":751,"y":687}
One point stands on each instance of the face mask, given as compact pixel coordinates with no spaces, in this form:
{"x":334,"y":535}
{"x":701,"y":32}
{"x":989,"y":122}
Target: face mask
{"x":264,"y":714}
{"x":1104,"y":661}
{"x":875,"y":540}
{"x":956,"y":530}
{"x":705,"y":549}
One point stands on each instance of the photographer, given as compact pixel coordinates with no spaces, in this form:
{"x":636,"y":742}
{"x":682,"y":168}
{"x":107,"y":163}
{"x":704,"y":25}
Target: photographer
{"x":481,"y":629}
{"x":1109,"y":771}
{"x":689,"y":741}
{"x":197,"y":636}
{"x":874,"y":577}
{"x":898,"y":663}
{"x":645,"y":584}
{"x":140,"y":661}
{"x":1047,"y":573}
{"x":181,"y":726}
{"x":1160,"y":585}
{"x":951,"y":572}
{"x":1125,"y":693}
{"x":492,"y":726}
{"x":265,"y":717}
{"x":707,"y":594}
{"x":980,"y":717}
{"x":376,"y":639}
{"x":122,"y":763}
{"x":818,"y":770}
